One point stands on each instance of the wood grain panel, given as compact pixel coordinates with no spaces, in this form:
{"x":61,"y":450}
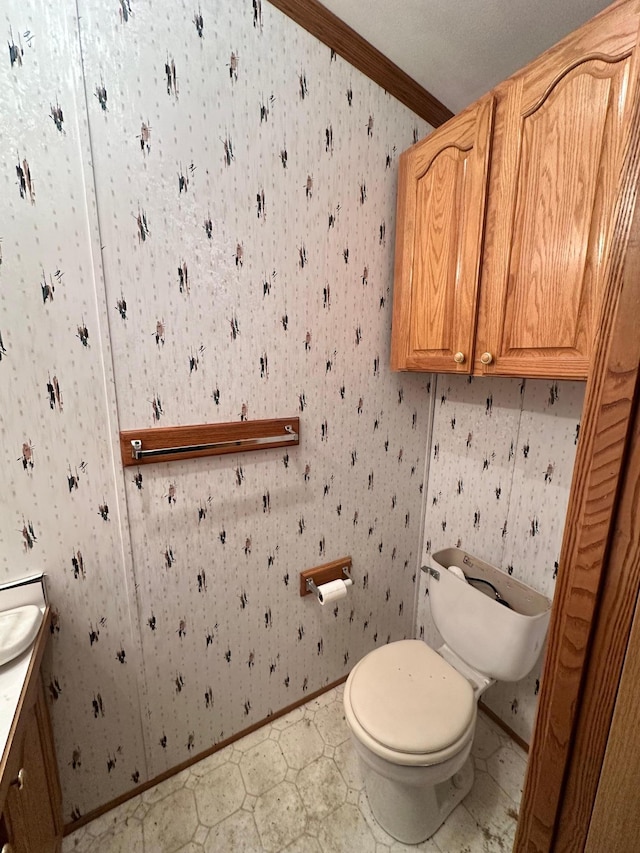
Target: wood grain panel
{"x":615,"y":821}
{"x":439,"y":234}
{"x":599,"y":465}
{"x":333,"y":32}
{"x":612,"y":34}
{"x":439,"y":201}
{"x":543,"y":282}
{"x":559,"y":167}
{"x":9,"y":764}
{"x":197,"y":434}
{"x":31,"y":812}
{"x":32,"y":816}
{"x":617,"y":605}
{"x":555,"y":169}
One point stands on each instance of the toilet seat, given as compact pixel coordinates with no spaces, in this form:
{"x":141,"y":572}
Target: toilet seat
{"x":408,"y":705}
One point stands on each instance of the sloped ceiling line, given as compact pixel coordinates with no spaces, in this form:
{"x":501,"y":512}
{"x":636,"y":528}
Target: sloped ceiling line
{"x":346,"y":42}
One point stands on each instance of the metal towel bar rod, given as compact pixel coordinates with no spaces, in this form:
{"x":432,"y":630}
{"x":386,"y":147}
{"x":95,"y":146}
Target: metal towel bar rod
{"x":138,"y":453}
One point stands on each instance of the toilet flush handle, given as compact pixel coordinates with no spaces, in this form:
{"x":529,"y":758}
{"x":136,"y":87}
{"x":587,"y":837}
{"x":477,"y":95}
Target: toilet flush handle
{"x":435,"y":574}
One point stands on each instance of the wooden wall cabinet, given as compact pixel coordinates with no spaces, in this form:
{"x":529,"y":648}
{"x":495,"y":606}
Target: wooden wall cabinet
{"x":504,"y":215}
{"x":441,"y":206}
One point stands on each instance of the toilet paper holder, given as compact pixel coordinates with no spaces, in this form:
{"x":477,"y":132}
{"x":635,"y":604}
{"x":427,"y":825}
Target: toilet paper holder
{"x":311,"y":579}
{"x":316,"y":590}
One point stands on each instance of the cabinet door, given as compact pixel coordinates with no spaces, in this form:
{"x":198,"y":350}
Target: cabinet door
{"x":558,"y":148}
{"x":441,"y":209}
{"x":32,"y":813}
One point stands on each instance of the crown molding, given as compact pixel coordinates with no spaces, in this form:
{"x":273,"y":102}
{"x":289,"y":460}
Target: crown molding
{"x":346,"y":42}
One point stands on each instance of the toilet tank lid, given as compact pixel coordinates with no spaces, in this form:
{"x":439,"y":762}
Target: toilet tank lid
{"x":406,"y":697}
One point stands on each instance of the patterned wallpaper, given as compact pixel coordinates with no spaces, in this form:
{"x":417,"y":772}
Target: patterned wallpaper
{"x":500,"y":468}
{"x":61,"y":502}
{"x":198,"y":226}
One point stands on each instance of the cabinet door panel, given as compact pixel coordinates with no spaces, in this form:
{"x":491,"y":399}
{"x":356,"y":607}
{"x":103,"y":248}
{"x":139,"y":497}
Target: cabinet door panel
{"x":436,"y":249}
{"x":33,"y":812}
{"x":549,"y":276}
{"x":559,"y":133}
{"x":441,"y":205}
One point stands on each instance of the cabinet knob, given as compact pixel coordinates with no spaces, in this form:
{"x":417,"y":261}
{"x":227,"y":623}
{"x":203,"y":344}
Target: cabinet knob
{"x":486,"y":358}
{"x":7,"y":848}
{"x":19,"y":782}
{"x":459,"y":358}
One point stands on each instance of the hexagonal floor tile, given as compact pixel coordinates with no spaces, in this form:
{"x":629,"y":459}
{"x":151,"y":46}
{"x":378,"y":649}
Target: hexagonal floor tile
{"x":486,"y":740}
{"x":304,"y":844}
{"x":170,"y":823}
{"x":288,"y":719}
{"x":507,"y":768}
{"x":494,"y":812}
{"x":346,"y":832}
{"x":113,"y":819}
{"x":461,"y":832}
{"x":237,"y":833}
{"x":162,"y":789}
{"x":321,"y":787}
{"x":348,"y":764}
{"x":126,"y":839}
{"x":280,"y":817}
{"x":219,"y":794}
{"x":330,"y":722}
{"x":297,"y":787}
{"x":216,"y":759}
{"x":253,"y":739}
{"x":262,"y":767}
{"x":301,"y":744}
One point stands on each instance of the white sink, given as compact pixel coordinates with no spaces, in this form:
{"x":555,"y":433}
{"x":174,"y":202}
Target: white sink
{"x":18,"y":629}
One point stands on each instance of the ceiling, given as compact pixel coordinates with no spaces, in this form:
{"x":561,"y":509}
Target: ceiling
{"x":459,"y":49}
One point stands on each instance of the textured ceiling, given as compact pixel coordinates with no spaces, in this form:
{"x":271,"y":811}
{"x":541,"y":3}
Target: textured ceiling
{"x":459,"y":49}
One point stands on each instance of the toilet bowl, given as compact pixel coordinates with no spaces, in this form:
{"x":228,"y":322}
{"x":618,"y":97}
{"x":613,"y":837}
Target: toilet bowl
{"x":412,"y":710}
{"x":412,"y":718}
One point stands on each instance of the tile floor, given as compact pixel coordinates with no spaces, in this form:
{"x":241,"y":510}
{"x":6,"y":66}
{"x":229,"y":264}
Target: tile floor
{"x":295,"y":786}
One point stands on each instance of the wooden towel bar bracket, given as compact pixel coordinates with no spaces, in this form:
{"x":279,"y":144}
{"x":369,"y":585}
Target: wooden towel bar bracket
{"x":164,"y":444}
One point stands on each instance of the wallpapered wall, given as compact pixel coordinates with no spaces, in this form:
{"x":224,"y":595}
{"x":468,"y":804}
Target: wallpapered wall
{"x":197,"y":226}
{"x":245,"y":184}
{"x":500,"y":468}
{"x":61,"y":500}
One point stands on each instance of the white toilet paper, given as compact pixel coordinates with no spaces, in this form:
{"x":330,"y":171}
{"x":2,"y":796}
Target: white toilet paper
{"x":333,"y":591}
{"x":457,"y":571}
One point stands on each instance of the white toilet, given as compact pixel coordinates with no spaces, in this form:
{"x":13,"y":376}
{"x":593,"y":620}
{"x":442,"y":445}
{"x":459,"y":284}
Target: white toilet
{"x":412,"y":710}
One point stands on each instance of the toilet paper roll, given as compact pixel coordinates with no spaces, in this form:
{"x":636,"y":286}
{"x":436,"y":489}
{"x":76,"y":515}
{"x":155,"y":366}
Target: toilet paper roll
{"x":333,"y":591}
{"x":457,"y":571}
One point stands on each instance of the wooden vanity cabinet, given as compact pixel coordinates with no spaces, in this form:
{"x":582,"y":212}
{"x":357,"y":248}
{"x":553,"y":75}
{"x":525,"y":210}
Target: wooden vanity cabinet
{"x":555,"y":152}
{"x":31,"y":819}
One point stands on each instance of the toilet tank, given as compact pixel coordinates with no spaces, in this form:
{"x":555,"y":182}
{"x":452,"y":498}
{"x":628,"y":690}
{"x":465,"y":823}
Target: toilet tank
{"x":500,"y":642}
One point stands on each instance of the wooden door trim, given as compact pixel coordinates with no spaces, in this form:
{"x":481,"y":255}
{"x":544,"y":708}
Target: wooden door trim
{"x":607,"y":655}
{"x":615,"y":817}
{"x":585,"y":561}
{"x":616,"y":606}
{"x":332,"y":31}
